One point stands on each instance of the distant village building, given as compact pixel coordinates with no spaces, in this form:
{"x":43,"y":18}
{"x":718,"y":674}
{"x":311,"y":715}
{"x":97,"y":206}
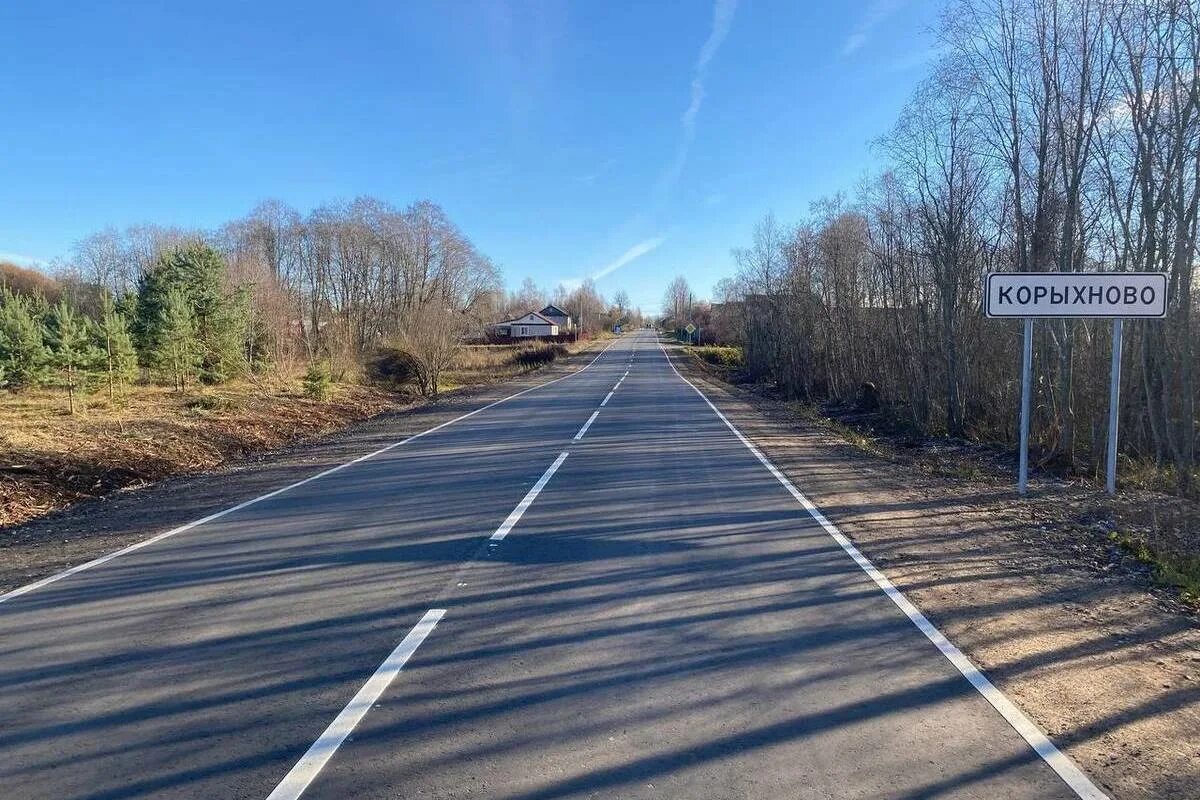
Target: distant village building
{"x":559,"y":317}
{"x":531,"y":326}
{"x":551,"y":322}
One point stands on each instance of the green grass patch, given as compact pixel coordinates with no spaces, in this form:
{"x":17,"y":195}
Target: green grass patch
{"x":1179,"y":572}
{"x":729,"y":357}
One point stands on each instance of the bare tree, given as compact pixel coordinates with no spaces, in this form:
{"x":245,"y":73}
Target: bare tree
{"x":677,"y":300}
{"x":432,"y":335}
{"x":1053,"y":136}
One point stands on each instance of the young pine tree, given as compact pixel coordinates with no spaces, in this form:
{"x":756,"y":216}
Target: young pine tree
{"x":177,"y":349}
{"x":24,"y":356}
{"x":200,"y":274}
{"x":71,"y":348}
{"x":116,"y":344}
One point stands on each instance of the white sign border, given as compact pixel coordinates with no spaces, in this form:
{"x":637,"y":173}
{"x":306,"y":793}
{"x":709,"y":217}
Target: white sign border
{"x":987,"y":292}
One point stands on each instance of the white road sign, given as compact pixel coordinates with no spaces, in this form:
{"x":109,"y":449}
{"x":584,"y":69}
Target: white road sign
{"x":1029,"y":295}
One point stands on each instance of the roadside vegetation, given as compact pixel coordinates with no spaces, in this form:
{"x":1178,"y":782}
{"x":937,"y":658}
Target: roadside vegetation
{"x":155,"y":351}
{"x":728,"y":357}
{"x":51,"y":457}
{"x":1147,"y":524}
{"x":1177,"y":571}
{"x":1048,"y":137}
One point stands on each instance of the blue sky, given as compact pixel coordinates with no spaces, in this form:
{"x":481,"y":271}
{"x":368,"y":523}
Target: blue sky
{"x":627,"y":141}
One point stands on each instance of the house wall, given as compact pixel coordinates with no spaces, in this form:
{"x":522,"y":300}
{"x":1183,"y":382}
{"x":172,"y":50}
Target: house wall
{"x":531,"y":330}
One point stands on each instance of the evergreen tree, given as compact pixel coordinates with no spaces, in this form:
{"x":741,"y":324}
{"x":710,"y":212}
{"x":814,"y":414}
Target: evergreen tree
{"x":120,"y":358}
{"x":70,"y":338}
{"x":178,"y":349}
{"x":198,"y":272}
{"x":23,"y":354}
{"x":317,"y":383}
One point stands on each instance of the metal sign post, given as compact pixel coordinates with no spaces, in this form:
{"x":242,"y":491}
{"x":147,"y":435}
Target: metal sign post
{"x":1026,"y":391}
{"x":1114,"y":405}
{"x":1078,"y":295}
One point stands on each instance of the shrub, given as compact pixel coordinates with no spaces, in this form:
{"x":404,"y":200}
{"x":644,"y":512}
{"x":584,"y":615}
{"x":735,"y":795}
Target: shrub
{"x":317,"y":383}
{"x":212,"y":402}
{"x":538,"y":355}
{"x":391,"y":367}
{"x":721,"y":356}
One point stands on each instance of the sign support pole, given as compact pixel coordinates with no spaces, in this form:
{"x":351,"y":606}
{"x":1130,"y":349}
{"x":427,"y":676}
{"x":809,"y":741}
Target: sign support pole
{"x":1026,"y":390}
{"x":1029,"y":296}
{"x":1114,"y":404}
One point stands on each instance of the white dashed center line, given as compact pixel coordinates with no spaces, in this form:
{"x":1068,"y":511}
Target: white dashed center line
{"x":517,"y":512}
{"x":587,"y":425}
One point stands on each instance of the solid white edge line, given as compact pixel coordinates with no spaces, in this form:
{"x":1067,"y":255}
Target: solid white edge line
{"x":515,"y":515}
{"x":318,"y":755}
{"x":1057,"y":760}
{"x":586,"y":425}
{"x":58,"y":576}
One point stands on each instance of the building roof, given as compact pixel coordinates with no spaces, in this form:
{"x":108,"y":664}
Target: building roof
{"x":554,"y":311}
{"x":523,"y":316}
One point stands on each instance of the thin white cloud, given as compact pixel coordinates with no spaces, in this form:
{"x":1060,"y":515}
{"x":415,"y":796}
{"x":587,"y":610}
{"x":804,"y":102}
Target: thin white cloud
{"x":722,"y":20}
{"x":632,"y":254}
{"x":872,"y":18}
{"x":853,"y":42}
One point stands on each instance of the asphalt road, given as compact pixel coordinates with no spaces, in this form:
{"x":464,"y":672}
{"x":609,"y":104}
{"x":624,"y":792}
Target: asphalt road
{"x":661,"y":619}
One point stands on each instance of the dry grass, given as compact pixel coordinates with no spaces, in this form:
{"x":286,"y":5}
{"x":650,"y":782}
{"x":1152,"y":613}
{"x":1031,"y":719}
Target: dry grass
{"x":50,"y":458}
{"x":491,"y":363}
{"x":720,"y":356}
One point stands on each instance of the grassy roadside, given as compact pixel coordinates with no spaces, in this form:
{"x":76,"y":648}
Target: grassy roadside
{"x":50,"y":459}
{"x":1142,"y":526}
{"x":483,"y":364}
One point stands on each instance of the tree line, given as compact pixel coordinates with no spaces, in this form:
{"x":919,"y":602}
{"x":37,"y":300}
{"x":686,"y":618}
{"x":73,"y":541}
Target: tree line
{"x":1050,"y":136}
{"x":270,"y":290}
{"x":181,"y":323}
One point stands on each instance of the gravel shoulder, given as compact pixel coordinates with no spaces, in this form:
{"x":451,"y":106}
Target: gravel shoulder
{"x":1104,"y":664}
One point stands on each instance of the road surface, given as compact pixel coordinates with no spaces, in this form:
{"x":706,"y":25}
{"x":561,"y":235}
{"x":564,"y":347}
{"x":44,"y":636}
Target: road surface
{"x":593,"y":589}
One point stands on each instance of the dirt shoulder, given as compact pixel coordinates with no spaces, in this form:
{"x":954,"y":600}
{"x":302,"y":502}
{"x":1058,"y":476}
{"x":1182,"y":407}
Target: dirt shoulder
{"x":1054,"y":613}
{"x":127,"y":506}
{"x":50,"y":459}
